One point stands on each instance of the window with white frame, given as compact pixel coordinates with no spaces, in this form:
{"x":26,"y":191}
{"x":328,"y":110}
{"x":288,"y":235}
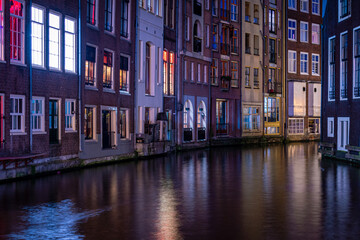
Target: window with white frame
{"x":70,"y":45}
{"x":91,"y":9}
{"x":109,"y":15}
{"x":37,"y":35}
{"x":199,"y":72}
{"x":292,"y":29}
{"x":90,"y":66}
{"x":343,"y":65}
{"x":17,"y":31}
{"x":54,"y":41}
{"x":296,"y":126}
{"x":124,"y":74}
{"x":89,"y":123}
{"x":330,"y":127}
{"x":251,"y":118}
{"x":315,"y":64}
{"x":247,"y":76}
{"x":17,"y":114}
{"x":344,"y":9}
{"x":292,"y":4}
{"x":316,"y":7}
{"x":1,"y":30}
{"x":70,"y":115}
{"x":192,"y":72}
{"x":292,"y":61}
{"x":108,"y":69}
{"x":331,"y":80}
{"x":304,"y":5}
{"x":124,"y":18}
{"x":37,"y":113}
{"x":123,"y":124}
{"x":304,"y":63}
{"x":357,"y":62}
{"x":314,"y":125}
{"x":315,"y":33}
{"x":234,"y":10}
{"x":304,"y":27}
{"x":343,"y":133}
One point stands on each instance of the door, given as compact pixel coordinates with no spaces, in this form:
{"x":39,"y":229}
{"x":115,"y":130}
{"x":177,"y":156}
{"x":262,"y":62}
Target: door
{"x":54,"y":121}
{"x":106,"y":129}
{"x":343,"y":133}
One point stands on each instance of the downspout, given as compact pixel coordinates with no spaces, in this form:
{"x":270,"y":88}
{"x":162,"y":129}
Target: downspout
{"x":284,"y":61}
{"x":79,"y":75}
{"x":177,"y":68}
{"x":136,"y":77}
{"x":30,"y":83}
{"x":208,"y":80}
{"x":183,"y":47}
{"x":322,"y":79}
{"x":263,"y":67}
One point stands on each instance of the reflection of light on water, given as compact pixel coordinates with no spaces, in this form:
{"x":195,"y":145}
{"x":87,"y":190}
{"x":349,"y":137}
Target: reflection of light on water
{"x":168,"y":220}
{"x":53,"y":221}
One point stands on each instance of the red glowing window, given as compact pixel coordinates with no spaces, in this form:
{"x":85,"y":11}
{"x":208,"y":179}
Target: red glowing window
{"x":16,"y":30}
{"x":91,"y":12}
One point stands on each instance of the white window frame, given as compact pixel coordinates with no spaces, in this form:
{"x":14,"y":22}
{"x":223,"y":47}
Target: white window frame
{"x":23,"y":18}
{"x":341,"y":67}
{"x":192,"y":72}
{"x":96,"y":16}
{"x":317,"y":33}
{"x":312,"y":8}
{"x":329,"y":69}
{"x":292,"y":29}
{"x":295,"y":3}
{"x":304,"y":34}
{"x":113,"y":11}
{"x":95,"y":66}
{"x":207,"y":36}
{"x":354,"y":73}
{"x":41,"y":24}
{"x":127,"y":124}
{"x":297,"y":133}
{"x":205,"y":73}
{"x":22,"y":115}
{"x":292,"y":61}
{"x":41,"y":115}
{"x":315,"y":62}
{"x":128,"y":75}
{"x":304,"y":62}
{"x":339,"y":11}
{"x":112,"y":70}
{"x":301,"y":6}
{"x":343,"y":119}
{"x":94,"y":122}
{"x":59,"y":43}
{"x":2,"y":31}
{"x":73,"y":52}
{"x":71,"y":115}
{"x":330,"y":126}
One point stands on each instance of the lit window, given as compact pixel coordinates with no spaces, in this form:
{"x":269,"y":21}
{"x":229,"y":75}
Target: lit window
{"x":315,"y":64}
{"x":316,"y":6}
{"x":54,"y":41}
{"x":172,"y":73}
{"x":109,"y":15}
{"x":107,"y":71}
{"x":296,"y":126}
{"x":17,"y":28}
{"x":90,"y":66}
{"x":69,"y":45}
{"x":304,"y":31}
{"x":37,"y":113}
{"x":89,"y":126}
{"x":91,"y":11}
{"x":123,"y":124}
{"x":124,"y":74}
{"x":315,"y":28}
{"x":251,"y":118}
{"x":304,"y":5}
{"x":37,"y":36}
{"x":166,"y":79}
{"x":292,"y":30}
{"x":303,"y":63}
{"x":17,"y":114}
{"x":70,"y":115}
{"x":1,"y":31}
{"x":314,"y":125}
{"x":292,"y":61}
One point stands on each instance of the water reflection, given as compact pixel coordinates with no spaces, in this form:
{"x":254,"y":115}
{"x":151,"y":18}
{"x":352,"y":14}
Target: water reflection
{"x":274,"y":192}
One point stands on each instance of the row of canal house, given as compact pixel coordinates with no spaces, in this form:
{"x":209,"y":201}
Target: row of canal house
{"x":94,"y":79}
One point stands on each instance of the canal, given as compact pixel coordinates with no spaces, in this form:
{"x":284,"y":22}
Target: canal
{"x":272,"y":192}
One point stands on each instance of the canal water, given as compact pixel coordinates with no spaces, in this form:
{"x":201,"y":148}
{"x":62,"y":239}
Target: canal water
{"x":273,"y":192}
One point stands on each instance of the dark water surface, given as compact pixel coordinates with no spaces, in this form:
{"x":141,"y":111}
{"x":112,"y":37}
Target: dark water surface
{"x":276,"y":192}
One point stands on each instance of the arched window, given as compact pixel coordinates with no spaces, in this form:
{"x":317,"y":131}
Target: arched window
{"x":197,"y":36}
{"x":188,"y":121}
{"x":201,"y":121}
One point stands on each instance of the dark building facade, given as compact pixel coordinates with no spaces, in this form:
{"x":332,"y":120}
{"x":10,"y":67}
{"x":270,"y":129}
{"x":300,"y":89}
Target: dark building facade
{"x":303,"y":69}
{"x":341,"y":78}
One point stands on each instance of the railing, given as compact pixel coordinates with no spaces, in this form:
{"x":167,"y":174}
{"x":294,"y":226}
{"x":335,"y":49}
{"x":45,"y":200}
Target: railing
{"x":214,"y":81}
{"x":89,"y":81}
{"x":256,"y":51}
{"x":224,"y":49}
{"x":234,"y":49}
{"x":197,"y":44}
{"x":357,"y":91}
{"x":108,"y":139}
{"x":274,"y":87}
{"x":201,"y":133}
{"x":107,"y":84}
{"x":188,"y":134}
{"x":222,"y":129}
{"x":197,"y":8}
{"x":224,"y":14}
{"x":332,"y":94}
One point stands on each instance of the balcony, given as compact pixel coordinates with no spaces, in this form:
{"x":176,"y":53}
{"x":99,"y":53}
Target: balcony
{"x":188,"y":134}
{"x":274,"y":87}
{"x":222,"y":129}
{"x":224,"y":14}
{"x":224,"y":49}
{"x":201,"y":134}
{"x":197,"y":8}
{"x":197,"y":44}
{"x":214,"y":81}
{"x":225,"y":83}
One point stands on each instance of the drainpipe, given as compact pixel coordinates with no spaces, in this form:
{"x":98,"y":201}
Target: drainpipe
{"x":285,"y":69}
{"x":30,"y":83}
{"x":136,"y":77}
{"x":322,"y":79}
{"x":208,"y":80}
{"x":177,"y":68}
{"x":79,"y":75}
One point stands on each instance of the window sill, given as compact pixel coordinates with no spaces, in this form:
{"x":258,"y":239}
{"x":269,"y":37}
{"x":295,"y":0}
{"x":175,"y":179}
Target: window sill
{"x":149,"y":95}
{"x":108,"y":90}
{"x":38,"y":132}
{"x":94,"y":27}
{"x":39,"y":67}
{"x":124,"y":93}
{"x":110,"y":33}
{"x":18,"y":64}
{"x":91,"y":141}
{"x":93,"y":88}
{"x":306,"y":74}
{"x":70,"y":131}
{"x":18,"y":133}
{"x":55,"y":70}
{"x":70,"y":72}
{"x":2,"y":61}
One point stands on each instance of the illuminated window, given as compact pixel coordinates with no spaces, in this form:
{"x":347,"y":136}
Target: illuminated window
{"x":296,"y":126}
{"x":70,"y":45}
{"x":166,"y":79}
{"x":251,"y":118}
{"x":89,"y":126}
{"x":54,"y":41}
{"x":315,"y":29}
{"x":70,"y":115}
{"x":37,"y":36}
{"x":123,"y":124}
{"x":91,"y":12}
{"x":90,"y":66}
{"x":172,"y":73}
{"x":17,"y":29}
{"x":107,"y":72}
{"x":124,"y":74}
